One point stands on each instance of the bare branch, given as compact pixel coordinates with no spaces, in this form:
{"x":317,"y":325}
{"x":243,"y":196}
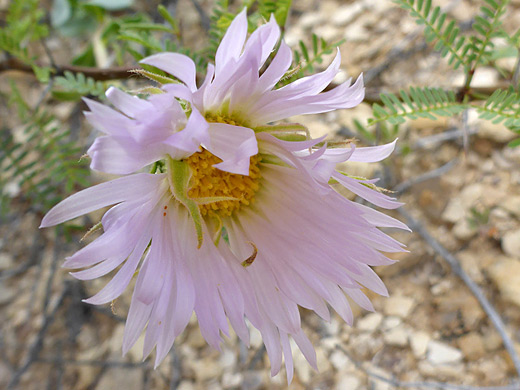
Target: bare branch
{"x":493,"y":315}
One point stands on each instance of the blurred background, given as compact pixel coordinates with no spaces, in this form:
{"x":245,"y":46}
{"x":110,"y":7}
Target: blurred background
{"x":457,"y":175}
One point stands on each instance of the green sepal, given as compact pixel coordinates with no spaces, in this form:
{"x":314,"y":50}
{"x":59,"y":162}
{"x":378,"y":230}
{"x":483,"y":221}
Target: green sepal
{"x":154,"y":76}
{"x":179,"y":177}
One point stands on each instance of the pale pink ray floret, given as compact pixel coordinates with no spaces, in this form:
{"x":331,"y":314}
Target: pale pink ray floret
{"x":297,"y":243}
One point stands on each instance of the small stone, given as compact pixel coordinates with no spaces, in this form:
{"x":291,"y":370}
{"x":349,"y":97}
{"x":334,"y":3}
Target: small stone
{"x":472,"y":346}
{"x":440,"y":353}
{"x":340,"y":361}
{"x":356,"y":32}
{"x":370,"y":322}
{"x":464,"y":230}
{"x":348,"y":381}
{"x":505,"y":273}
{"x":347,"y":14}
{"x":397,"y":337}
{"x":454,"y":211}
{"x":186,"y":385}
{"x":6,"y":261}
{"x":119,"y":378}
{"x":206,"y":369}
{"x":311,"y":19}
{"x":419,"y":342}
{"x":323,"y":361}
{"x":483,"y":77}
{"x":252,"y":380}
{"x":7,"y":294}
{"x":391,"y":322}
{"x":496,"y":132}
{"x":511,"y":243}
{"x":512,"y":205}
{"x":231,"y":380}
{"x":399,"y":306}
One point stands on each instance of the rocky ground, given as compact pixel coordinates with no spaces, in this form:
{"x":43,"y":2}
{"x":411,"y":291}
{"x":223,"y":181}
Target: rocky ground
{"x":431,"y":333}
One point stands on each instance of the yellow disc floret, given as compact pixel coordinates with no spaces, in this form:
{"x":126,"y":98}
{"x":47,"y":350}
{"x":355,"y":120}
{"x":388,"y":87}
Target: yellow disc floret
{"x":209,"y":182}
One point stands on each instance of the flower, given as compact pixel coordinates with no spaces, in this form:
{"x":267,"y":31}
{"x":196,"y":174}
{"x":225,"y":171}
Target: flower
{"x":290,"y":239}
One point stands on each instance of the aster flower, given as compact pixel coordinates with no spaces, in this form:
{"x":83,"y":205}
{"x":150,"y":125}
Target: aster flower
{"x":290,"y":239}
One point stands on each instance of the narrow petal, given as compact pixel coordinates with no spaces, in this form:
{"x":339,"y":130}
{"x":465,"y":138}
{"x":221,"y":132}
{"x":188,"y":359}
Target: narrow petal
{"x":127,"y":104}
{"x":234,"y":145}
{"x":231,"y":45}
{"x":110,"y":156}
{"x":369,"y":194}
{"x":101,"y":195}
{"x":373,"y":153}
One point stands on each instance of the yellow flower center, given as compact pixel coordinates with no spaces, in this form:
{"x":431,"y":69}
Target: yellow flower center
{"x":209,"y":182}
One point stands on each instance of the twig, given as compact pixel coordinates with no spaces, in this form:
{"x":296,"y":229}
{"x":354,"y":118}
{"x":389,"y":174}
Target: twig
{"x":175,"y":370}
{"x":204,"y":18}
{"x":36,"y":347}
{"x":114,"y":73}
{"x":405,"y":185}
{"x":474,"y":288}
{"x":95,"y":363}
{"x":448,"y":135}
{"x":34,"y":257}
{"x":422,"y":385}
{"x":516,"y":74}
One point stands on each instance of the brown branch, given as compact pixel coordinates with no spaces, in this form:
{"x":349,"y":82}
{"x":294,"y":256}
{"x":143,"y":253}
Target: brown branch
{"x":453,"y":262}
{"x":98,"y":74}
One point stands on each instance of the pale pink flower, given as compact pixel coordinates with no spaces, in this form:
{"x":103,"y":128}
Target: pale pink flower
{"x":290,"y":239}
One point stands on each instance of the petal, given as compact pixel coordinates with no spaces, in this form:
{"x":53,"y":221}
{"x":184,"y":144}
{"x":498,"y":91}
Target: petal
{"x":275,"y":71}
{"x":231,"y":45}
{"x":262,"y":41}
{"x":110,"y":156}
{"x":101,"y":195}
{"x":373,"y":153}
{"x":106,"y":119}
{"x":120,"y":281}
{"x":343,"y":96}
{"x":188,"y":140}
{"x":367,"y":193}
{"x":234,"y":145}
{"x":176,"y":64}
{"x":127,"y":104}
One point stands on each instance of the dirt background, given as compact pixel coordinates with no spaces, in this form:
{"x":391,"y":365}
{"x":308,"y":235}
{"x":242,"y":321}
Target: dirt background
{"x":431,"y":333}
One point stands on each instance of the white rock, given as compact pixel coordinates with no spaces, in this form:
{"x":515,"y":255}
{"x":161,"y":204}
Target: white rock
{"x":348,"y":382}
{"x":231,"y":380}
{"x":370,"y":322}
{"x":454,"y":211}
{"x":511,"y":243}
{"x":311,"y":19}
{"x":505,"y":273}
{"x":391,"y":322}
{"x":340,"y":361}
{"x":186,"y":385}
{"x":7,"y":294}
{"x":399,"y":306}
{"x":228,"y":358}
{"x":326,"y":32}
{"x":440,"y":353}
{"x":419,"y":342}
{"x":347,"y":14}
{"x":512,"y":205}
{"x":483,"y":77}
{"x":119,"y":378}
{"x":6,"y":261}
{"x":464,"y":230}
{"x":397,"y":337}
{"x":356,"y":32}
{"x":495,"y":132}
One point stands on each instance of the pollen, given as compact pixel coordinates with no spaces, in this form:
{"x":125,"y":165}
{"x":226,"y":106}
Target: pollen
{"x":207,"y":182}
